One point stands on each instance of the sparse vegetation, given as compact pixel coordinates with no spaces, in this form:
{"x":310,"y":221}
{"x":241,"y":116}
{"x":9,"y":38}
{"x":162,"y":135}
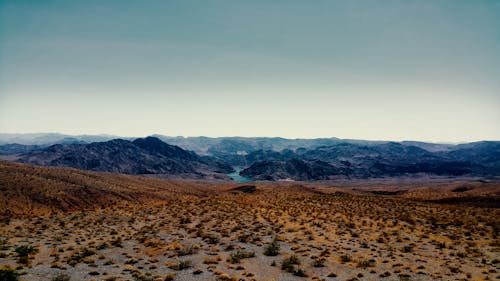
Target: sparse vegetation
{"x":239,"y":255}
{"x":272,"y":249}
{"x":345,"y":258}
{"x":207,"y":232}
{"x":8,"y":274}
{"x":61,"y":277}
{"x":182,"y":264}
{"x":78,"y":257}
{"x":25,"y":250}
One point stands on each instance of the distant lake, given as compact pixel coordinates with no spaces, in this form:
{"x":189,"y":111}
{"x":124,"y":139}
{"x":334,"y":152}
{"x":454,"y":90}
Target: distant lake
{"x":235,"y":176}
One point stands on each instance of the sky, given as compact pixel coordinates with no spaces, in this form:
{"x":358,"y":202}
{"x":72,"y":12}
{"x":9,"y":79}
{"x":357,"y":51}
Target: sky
{"x":378,"y":70}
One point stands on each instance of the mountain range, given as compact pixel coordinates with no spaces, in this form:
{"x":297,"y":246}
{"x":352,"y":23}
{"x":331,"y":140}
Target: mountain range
{"x":391,"y":159}
{"x":142,"y":156}
{"x":257,"y":158}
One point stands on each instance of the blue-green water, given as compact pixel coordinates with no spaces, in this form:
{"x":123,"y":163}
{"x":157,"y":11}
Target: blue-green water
{"x":235,"y":176}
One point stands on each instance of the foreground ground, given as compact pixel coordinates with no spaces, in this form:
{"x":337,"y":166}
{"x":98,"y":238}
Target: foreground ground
{"x":64,"y":224}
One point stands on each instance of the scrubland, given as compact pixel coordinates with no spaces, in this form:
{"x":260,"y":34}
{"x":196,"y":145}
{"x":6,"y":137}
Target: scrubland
{"x":65,"y":224}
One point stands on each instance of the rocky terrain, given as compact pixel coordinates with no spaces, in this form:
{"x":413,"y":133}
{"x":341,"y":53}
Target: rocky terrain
{"x":146,"y":156}
{"x":67,"y":224}
{"x":346,"y":160}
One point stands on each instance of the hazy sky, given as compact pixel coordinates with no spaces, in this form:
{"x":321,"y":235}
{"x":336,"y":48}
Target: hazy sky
{"x":421,"y":70}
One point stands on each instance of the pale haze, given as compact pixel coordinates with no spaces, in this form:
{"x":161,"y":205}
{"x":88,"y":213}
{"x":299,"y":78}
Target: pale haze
{"x":378,"y":70}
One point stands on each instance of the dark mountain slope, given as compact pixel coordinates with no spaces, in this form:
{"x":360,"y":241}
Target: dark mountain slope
{"x":142,"y":156}
{"x":485,"y":153}
{"x":381,"y":160}
{"x":156,"y":146}
{"x":294,"y":169}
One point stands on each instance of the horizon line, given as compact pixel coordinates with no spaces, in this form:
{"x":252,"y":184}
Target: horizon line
{"x":248,"y":137}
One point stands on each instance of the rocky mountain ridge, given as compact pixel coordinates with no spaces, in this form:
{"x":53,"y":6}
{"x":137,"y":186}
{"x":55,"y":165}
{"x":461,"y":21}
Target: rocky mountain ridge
{"x":265,"y":158}
{"x":144,"y":156}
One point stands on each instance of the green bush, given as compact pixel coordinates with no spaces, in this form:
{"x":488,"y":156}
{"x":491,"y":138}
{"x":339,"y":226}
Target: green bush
{"x":300,"y":272}
{"x":288,"y":263}
{"x":272,"y":249}
{"x":8,"y":275}
{"x":25,"y":250}
{"x":78,"y":257}
{"x":345,"y":258}
{"x":239,"y":255}
{"x":319,"y":262}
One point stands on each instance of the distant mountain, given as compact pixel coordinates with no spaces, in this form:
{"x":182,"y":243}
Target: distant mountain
{"x":15,"y":148}
{"x":230,"y":148}
{"x":224,"y":146}
{"x":143,"y":156}
{"x":259,"y":158}
{"x":45,"y":139}
{"x":294,"y":169}
{"x":347,"y":160}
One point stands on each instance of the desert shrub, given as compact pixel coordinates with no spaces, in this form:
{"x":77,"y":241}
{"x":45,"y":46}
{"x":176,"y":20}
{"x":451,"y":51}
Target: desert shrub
{"x":319,"y":262}
{"x":288,"y":263}
{"x":239,"y":255}
{"x":441,"y":245}
{"x":300,"y":272}
{"x":170,"y":277}
{"x":461,"y":254}
{"x":79,"y":256}
{"x":186,"y":250}
{"x":385,"y":274}
{"x":8,"y":275}
{"x":25,"y":250}
{"x":366,"y":263}
{"x":272,"y":249}
{"x":182,"y":264}
{"x":210,"y":261}
{"x":345,"y":258}
{"x":117,"y":242}
{"x":211,"y":238}
{"x":23,"y":253}
{"x":407,"y":249}
{"x":61,"y":277}
{"x":404,"y":277}
{"x":245,"y":237}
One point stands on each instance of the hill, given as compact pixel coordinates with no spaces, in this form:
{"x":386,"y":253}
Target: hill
{"x":32,"y":189}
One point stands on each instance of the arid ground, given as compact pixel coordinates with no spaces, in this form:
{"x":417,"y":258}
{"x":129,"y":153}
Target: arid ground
{"x":66,"y":224}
